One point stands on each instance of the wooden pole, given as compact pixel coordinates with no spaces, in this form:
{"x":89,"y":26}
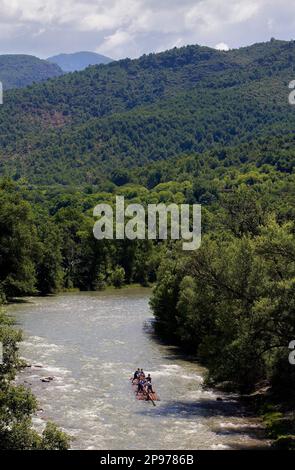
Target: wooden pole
{"x":151,"y":400}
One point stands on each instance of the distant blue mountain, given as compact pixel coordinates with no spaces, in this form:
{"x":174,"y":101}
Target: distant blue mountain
{"x":78,"y":60}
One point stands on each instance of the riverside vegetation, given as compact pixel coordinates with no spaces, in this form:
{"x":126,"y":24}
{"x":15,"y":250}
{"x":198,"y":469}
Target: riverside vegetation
{"x":18,"y":71}
{"x":17,"y":404}
{"x":192,"y":125}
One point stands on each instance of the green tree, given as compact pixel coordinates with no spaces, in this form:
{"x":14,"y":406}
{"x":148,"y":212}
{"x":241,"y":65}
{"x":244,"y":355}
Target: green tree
{"x":49,"y":264}
{"x":18,"y":243}
{"x":17,"y":404}
{"x":118,"y":277}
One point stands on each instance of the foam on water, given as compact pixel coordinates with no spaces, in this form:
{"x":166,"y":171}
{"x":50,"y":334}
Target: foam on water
{"x":219,"y":447}
{"x":90,"y":344}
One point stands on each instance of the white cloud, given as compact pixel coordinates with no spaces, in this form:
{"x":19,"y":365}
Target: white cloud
{"x":132,"y":27}
{"x":115,"y":43}
{"x":39,"y":32}
{"x":221,"y":46}
{"x":110,"y":14}
{"x":211,"y":14}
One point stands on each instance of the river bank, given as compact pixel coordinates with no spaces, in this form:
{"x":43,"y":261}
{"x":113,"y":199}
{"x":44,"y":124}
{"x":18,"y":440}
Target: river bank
{"x":89,"y":343}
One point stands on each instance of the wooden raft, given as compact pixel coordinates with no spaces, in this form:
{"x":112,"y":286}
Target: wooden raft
{"x":144,"y":396}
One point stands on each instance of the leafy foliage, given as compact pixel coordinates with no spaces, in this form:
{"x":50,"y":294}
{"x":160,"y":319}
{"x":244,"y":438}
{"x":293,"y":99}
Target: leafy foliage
{"x":19,"y":71}
{"x":17,"y":404}
{"x":190,"y":125}
{"x":86,"y":126}
{"x":231,"y":302}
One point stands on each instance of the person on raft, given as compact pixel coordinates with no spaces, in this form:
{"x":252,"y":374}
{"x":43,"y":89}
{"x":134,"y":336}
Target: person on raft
{"x":140,"y":386}
{"x":148,"y":384}
{"x":136,"y":375}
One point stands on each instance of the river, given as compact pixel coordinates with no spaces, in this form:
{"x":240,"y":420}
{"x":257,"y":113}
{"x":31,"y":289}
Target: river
{"x":90,"y":343}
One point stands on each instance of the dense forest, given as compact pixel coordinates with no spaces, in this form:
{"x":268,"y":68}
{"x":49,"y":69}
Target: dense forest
{"x":82,"y":126}
{"x":191,"y":125}
{"x":19,"y":71}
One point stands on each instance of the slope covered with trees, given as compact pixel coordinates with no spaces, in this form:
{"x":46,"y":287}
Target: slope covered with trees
{"x":19,"y":71}
{"x":189,"y":125}
{"x":127,"y":113}
{"x":17,"y":404}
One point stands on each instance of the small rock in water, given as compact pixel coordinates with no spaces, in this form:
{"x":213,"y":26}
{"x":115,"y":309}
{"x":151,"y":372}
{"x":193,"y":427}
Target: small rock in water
{"x":46,"y":379}
{"x":219,"y":399}
{"x":38,"y":365}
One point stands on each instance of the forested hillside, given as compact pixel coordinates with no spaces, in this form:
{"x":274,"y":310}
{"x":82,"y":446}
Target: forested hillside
{"x":80,"y":126}
{"x":19,"y":71}
{"x":190,"y":125}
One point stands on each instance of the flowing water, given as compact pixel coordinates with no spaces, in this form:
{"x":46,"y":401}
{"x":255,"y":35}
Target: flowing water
{"x":90,"y":343}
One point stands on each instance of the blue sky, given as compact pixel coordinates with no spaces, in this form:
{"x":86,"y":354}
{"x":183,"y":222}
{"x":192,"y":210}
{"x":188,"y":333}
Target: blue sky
{"x":130,"y":28}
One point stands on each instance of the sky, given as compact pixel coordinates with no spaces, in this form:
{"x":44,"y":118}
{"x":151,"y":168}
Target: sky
{"x":130,"y":28}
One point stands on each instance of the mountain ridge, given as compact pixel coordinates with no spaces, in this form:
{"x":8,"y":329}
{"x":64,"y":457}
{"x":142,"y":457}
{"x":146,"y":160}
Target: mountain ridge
{"x":131,"y":112}
{"x":21,"y":70}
